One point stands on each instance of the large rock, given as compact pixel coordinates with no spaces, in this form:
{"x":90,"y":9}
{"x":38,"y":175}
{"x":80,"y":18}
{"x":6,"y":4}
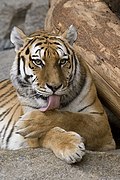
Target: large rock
{"x":41,"y":164}
{"x":28,"y":15}
{"x":6,"y":60}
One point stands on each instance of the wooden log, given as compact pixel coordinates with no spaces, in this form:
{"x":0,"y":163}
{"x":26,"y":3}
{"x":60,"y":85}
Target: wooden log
{"x":98,"y":42}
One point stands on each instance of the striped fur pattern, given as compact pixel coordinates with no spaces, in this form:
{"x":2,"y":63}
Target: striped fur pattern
{"x":47,"y":65}
{"x":10,"y":111}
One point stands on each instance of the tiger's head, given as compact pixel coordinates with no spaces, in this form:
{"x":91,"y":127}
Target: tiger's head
{"x":46,"y":71}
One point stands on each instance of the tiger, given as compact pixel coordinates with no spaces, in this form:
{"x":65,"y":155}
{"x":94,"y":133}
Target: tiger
{"x":51,"y":100}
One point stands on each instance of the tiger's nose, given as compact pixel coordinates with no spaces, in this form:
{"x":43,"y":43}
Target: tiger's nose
{"x":54,"y":88}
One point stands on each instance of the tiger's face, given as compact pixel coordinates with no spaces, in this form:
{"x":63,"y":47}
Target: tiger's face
{"x":45,"y":66}
{"x":48,"y":65}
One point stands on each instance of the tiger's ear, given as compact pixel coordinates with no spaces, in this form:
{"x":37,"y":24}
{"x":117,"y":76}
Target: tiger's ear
{"x":17,"y":38}
{"x":70,"y":34}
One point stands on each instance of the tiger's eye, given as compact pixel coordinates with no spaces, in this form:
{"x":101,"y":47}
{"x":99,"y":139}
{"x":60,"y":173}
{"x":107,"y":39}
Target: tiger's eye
{"x":38,"y":62}
{"x":63,"y":61}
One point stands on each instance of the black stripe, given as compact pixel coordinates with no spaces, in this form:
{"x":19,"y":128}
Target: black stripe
{"x":42,"y":47}
{"x":33,"y":56}
{"x":29,"y":43}
{"x":23,"y":59}
{"x":83,"y":76}
{"x":27,"y":78}
{"x":26,"y":75}
{"x":45,"y":52}
{"x":71,"y":77}
{"x":31,"y":67}
{"x":88,"y":105}
{"x":5,"y":84}
{"x":45,"y":36}
{"x":30,"y":58}
{"x":2,"y":130}
{"x":5,"y":113}
{"x":37,"y":50}
{"x":74,"y":61}
{"x":14,"y":97}
{"x":8,"y":93}
{"x":57,"y":43}
{"x":60,"y":48}
{"x":18,"y":72}
{"x":6,"y":128}
{"x":100,"y":113}
{"x":38,"y":44}
{"x":67,"y":48}
{"x":27,"y":51}
{"x":34,"y":79}
{"x":9,"y":136}
{"x":4,"y":80}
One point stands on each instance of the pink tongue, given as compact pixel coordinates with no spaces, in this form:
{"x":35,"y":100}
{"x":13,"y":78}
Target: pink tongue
{"x":53,"y":103}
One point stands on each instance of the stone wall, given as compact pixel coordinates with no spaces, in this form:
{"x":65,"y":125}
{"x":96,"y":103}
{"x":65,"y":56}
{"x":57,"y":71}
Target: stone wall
{"x":28,"y":15}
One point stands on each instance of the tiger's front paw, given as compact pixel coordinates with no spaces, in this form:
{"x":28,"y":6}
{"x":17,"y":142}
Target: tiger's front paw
{"x":33,"y":124}
{"x":67,"y":146}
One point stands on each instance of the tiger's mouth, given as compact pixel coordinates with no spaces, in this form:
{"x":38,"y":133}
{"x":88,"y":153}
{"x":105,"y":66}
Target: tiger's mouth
{"x":53,"y":102}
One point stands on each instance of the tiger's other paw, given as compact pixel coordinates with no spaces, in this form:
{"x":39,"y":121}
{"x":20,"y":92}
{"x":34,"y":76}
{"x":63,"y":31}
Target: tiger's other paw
{"x":67,"y":146}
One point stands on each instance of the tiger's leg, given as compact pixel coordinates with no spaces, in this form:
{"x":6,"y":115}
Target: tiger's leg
{"x":93,"y":128}
{"x":66,"y":145}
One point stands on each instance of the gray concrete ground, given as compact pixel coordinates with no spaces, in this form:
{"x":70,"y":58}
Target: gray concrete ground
{"x":38,"y":164}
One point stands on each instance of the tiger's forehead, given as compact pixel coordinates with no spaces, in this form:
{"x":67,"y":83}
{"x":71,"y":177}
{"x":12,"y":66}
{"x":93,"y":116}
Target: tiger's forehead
{"x":47,"y":43}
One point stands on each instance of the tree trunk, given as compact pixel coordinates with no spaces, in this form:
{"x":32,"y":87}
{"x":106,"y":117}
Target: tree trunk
{"x":98,"y":42}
